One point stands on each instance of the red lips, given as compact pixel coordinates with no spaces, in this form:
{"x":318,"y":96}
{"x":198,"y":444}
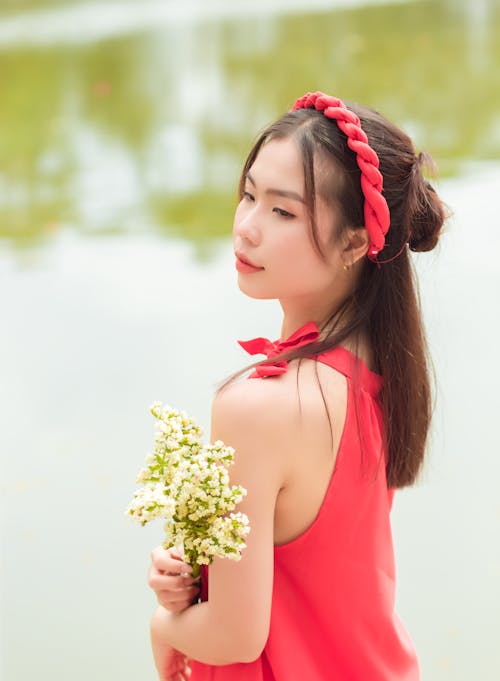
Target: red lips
{"x":243,"y":264}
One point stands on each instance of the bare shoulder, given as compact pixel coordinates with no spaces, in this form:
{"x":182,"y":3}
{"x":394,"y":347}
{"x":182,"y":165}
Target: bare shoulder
{"x":283,"y":430}
{"x":259,"y":407}
{"x":278,"y":408}
{"x":253,"y":416}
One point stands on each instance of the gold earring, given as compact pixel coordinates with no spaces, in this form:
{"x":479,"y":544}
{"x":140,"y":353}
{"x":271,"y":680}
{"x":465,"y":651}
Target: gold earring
{"x":346,"y":268}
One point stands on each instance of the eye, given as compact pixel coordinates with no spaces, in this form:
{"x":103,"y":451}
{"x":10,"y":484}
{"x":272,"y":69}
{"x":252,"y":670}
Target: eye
{"x":283,"y":213}
{"x":246,"y":195}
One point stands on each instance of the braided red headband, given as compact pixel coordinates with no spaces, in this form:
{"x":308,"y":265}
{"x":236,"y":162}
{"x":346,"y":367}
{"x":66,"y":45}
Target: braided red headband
{"x":376,"y":210}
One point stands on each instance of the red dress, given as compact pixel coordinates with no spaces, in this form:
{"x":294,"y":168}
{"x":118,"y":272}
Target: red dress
{"x":332,"y":614}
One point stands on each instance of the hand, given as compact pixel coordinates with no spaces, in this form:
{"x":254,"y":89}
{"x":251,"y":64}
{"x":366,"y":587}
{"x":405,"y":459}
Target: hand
{"x":171,"y":579}
{"x":174,"y":666}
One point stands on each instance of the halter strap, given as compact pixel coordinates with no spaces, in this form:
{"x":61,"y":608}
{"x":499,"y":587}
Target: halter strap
{"x":263,"y":346}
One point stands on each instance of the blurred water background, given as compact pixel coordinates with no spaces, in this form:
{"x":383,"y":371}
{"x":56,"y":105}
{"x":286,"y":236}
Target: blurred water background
{"x":123,"y":126}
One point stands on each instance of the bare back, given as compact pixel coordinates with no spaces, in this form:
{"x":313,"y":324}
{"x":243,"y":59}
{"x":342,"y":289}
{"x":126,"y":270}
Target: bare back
{"x":311,"y":442}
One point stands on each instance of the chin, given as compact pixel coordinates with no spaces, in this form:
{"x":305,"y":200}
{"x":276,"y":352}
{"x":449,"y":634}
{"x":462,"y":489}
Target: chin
{"x":256,"y":292}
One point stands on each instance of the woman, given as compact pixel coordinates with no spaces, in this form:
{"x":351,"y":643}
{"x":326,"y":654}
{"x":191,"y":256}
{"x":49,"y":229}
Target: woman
{"x":335,"y":418}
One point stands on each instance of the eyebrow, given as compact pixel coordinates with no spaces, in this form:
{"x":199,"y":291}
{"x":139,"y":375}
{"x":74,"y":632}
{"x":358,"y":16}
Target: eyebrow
{"x":288,"y":194}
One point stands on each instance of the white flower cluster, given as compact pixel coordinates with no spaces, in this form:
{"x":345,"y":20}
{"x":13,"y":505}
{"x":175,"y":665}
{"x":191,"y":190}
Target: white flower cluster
{"x":187,"y":484}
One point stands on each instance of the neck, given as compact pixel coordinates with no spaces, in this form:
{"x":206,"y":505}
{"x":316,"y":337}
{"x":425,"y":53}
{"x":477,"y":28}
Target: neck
{"x":295,"y":315}
{"x":358,"y":342}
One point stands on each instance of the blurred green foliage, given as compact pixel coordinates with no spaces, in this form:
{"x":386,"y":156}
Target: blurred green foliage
{"x":148,"y":130}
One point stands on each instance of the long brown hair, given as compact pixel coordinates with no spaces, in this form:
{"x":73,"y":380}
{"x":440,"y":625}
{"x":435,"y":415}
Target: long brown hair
{"x":384,"y":305}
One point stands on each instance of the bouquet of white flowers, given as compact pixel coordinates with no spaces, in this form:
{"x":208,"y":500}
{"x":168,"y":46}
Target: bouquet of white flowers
{"x":187,"y":484}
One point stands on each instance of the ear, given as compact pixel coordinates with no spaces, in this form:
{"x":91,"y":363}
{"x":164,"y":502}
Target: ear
{"x":356,"y":242}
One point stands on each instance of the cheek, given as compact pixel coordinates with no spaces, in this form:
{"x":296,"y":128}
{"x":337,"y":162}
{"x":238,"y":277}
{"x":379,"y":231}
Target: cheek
{"x":298,"y":250}
{"x":299,"y":265}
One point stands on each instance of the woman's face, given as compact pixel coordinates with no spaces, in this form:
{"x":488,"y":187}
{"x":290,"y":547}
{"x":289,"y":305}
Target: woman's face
{"x":272,"y":231}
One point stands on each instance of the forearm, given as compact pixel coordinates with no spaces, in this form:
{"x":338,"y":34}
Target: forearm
{"x":161,"y":649}
{"x":196,"y":634}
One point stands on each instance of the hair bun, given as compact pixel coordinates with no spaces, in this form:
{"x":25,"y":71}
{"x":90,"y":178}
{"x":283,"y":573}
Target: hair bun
{"x":426,"y":211}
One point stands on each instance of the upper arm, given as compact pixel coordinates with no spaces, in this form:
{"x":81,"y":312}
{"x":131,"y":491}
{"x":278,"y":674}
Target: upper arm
{"x":240,"y":592}
{"x":269,"y":430}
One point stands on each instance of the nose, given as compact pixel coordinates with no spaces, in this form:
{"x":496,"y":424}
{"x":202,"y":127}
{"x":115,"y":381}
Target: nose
{"x":246,"y":226}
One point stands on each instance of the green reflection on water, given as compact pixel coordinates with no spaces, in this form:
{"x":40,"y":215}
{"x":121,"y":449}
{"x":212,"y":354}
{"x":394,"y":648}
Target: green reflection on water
{"x":148,"y":130}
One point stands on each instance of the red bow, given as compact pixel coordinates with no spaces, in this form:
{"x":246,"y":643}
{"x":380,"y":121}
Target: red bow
{"x":263,"y":346}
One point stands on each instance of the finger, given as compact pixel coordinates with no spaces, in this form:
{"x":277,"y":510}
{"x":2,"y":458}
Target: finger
{"x":184,"y":674}
{"x":176,"y":606}
{"x":169,"y":600}
{"x":173,"y":675}
{"x":176,"y":555}
{"x":179,"y":595}
{"x":170,"y":577}
{"x":160,"y":582}
{"x":169,"y":560}
{"x":175,"y":594}
{"x":179,"y":605}
{"x":179,"y":670}
{"x":177,"y":665}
